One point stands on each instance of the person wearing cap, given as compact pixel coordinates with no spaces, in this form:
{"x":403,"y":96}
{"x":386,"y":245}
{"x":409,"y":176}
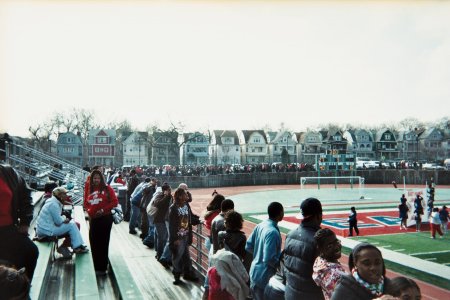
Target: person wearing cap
{"x":265,"y":244}
{"x":51,"y":223}
{"x":300,"y":252}
{"x":16,"y":213}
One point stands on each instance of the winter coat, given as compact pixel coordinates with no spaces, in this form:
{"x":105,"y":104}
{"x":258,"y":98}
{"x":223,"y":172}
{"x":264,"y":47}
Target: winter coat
{"x":349,"y":289}
{"x":299,"y":255}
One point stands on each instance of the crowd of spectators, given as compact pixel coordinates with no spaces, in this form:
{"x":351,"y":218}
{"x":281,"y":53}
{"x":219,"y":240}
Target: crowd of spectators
{"x":206,"y":170}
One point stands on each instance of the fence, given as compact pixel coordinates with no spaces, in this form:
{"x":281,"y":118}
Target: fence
{"x":382,"y":176}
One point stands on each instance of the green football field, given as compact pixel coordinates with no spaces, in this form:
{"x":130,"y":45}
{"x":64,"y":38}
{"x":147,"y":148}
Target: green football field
{"x":417,"y":244}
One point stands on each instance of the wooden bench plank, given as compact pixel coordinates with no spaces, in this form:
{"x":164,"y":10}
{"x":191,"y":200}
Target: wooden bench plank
{"x":123,"y":278}
{"x":42,"y":270}
{"x":85,"y":279}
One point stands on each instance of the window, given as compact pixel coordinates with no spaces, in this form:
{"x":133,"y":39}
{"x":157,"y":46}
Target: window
{"x":387,"y":136}
{"x":69,"y":140}
{"x":102,"y":140}
{"x":257,"y":139}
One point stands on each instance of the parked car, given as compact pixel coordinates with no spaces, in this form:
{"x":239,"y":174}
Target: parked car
{"x":432,"y":166}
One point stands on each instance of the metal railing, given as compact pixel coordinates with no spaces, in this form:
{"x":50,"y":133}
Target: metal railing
{"x":38,"y":167}
{"x":199,"y":254}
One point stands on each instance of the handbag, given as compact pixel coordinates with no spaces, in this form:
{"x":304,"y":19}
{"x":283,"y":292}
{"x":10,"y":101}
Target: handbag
{"x":117,"y":214}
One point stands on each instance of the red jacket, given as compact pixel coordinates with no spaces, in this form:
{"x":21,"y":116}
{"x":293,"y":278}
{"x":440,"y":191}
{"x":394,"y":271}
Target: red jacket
{"x":104,"y":199}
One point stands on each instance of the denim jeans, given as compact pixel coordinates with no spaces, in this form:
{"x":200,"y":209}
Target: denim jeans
{"x":181,"y":258}
{"x":134,"y":217}
{"x":161,"y":231}
{"x":167,"y":254}
{"x":151,"y":237}
{"x":65,"y":228}
{"x":258,"y":293}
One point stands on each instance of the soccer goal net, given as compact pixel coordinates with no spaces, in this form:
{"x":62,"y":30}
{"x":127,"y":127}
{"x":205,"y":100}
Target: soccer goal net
{"x":337,"y":180}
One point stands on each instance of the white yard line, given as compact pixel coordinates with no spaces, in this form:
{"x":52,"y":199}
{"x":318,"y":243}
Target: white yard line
{"x":431,"y":252}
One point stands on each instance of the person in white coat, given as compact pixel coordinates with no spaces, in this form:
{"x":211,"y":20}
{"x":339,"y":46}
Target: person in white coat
{"x":52,"y":223}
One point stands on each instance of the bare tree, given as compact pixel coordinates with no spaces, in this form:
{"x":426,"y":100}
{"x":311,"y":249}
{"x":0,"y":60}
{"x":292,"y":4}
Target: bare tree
{"x":410,"y":124}
{"x":84,"y":121}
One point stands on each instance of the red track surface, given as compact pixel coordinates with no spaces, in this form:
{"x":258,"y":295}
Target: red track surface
{"x":203,"y":196}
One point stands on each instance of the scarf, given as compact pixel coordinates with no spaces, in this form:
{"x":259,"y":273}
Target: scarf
{"x":374,"y":288}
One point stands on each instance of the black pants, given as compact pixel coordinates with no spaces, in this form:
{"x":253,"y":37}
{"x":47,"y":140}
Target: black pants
{"x":144,"y":223}
{"x":17,"y":249}
{"x":126,"y":216}
{"x":353,"y":225}
{"x":99,"y":235}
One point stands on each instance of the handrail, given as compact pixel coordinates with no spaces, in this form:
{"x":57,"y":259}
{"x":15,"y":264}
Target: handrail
{"x":200,"y":256}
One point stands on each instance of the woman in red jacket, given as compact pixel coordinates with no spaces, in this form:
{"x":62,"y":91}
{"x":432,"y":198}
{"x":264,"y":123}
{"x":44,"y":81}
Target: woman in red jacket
{"x":99,"y":202}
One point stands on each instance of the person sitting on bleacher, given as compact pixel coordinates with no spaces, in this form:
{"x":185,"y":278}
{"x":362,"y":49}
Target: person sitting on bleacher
{"x":51,"y":223}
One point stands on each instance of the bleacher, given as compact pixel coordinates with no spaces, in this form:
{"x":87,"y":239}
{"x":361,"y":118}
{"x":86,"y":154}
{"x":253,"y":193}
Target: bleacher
{"x":134,"y":272}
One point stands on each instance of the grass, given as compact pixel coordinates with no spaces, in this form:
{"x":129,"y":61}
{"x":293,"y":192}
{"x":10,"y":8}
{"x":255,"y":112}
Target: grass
{"x":416,"y":244}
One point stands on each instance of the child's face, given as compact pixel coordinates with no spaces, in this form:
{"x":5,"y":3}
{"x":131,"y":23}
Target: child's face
{"x":410,"y":294}
{"x":369,"y":265}
{"x":331,"y":249}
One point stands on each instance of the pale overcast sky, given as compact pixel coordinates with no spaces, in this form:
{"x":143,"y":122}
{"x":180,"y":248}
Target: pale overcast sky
{"x":225,"y":64}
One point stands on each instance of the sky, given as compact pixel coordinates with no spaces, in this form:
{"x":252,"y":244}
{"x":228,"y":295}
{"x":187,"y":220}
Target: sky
{"x":224,"y":64}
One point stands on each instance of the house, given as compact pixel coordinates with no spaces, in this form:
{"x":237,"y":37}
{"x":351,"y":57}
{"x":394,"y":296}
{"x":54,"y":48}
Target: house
{"x":334,"y":142}
{"x":164,"y":148}
{"x":193,"y":148}
{"x":224,"y":148}
{"x":430,"y":145}
{"x":254,"y":147}
{"x":136,"y":149}
{"x":386,"y":145}
{"x":101,"y":147}
{"x":408,"y":144}
{"x":70,"y":147}
{"x":282,"y":146}
{"x":360,"y":143}
{"x":309,"y":146}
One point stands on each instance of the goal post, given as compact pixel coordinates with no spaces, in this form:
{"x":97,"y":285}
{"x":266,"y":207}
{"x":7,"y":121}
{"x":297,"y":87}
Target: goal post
{"x":333,"y":180}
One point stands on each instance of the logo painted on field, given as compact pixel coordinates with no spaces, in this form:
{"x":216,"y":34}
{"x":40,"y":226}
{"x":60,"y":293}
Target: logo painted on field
{"x":386,"y":220}
{"x":341,"y":223}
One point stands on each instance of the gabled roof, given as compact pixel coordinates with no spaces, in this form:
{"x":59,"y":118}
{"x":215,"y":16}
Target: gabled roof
{"x":380,"y":133}
{"x":225,"y":133}
{"x":77,"y":139}
{"x":426,"y":134}
{"x":248,"y":133}
{"x":271,"y":136}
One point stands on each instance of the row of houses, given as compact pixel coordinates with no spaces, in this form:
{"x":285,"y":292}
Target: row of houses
{"x":221,"y":147}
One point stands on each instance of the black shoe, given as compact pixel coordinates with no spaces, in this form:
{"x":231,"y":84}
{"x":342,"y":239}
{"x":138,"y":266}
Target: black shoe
{"x":164,"y":263}
{"x":150,"y":245}
{"x":190,"y":277}
{"x":177,"y":280}
{"x":133,"y":231}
